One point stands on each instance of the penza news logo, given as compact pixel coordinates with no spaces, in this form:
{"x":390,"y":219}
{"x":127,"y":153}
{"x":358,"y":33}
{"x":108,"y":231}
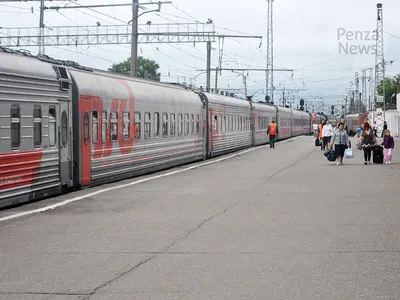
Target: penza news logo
{"x":356,"y":42}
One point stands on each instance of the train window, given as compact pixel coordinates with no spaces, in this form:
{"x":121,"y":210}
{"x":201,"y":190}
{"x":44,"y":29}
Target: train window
{"x":147,"y":126}
{"x":186,"y":124}
{"x":15,"y":126}
{"x":95,"y":127}
{"x":86,"y":128}
{"x":215,"y":123}
{"x":220,"y":118}
{"x":104,"y":126}
{"x":156,"y":125}
{"x":138,"y":128}
{"x":198,"y":124}
{"x":114,"y":126}
{"x":192,"y":124}
{"x":37,"y":126}
{"x":64,"y":128}
{"x":230,"y":123}
{"x":52,"y":127}
{"x":180,"y":124}
{"x":126,"y":127}
{"x":165,"y":125}
{"x":173,"y":125}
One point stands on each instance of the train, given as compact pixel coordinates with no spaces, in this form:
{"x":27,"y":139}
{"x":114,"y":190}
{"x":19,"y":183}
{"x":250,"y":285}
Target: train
{"x":67,"y":127}
{"x":354,"y":121}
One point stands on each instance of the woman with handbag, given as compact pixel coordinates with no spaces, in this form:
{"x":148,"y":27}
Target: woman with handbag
{"x":340,"y":140}
{"x":368,"y":140}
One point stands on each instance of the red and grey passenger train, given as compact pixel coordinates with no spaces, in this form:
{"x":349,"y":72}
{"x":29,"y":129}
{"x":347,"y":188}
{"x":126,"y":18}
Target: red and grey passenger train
{"x":66,"y":127}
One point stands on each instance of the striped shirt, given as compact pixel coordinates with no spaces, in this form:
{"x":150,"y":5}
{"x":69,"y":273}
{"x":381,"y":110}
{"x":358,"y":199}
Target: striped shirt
{"x":340,"y":137}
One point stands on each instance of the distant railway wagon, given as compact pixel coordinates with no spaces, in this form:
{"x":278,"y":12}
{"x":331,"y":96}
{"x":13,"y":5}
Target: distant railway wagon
{"x":66,"y":127}
{"x":354,"y":121}
{"x":316,"y":118}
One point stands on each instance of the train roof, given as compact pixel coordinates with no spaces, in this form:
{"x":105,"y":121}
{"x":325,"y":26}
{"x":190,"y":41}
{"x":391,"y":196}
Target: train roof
{"x":300,"y":112}
{"x":22,"y":63}
{"x":263,"y":106}
{"x":41,"y":66}
{"x":108,"y":86}
{"x":216,"y":98}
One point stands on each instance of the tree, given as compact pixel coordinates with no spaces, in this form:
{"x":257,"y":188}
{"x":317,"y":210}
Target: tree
{"x":147,"y":68}
{"x":390,"y":89}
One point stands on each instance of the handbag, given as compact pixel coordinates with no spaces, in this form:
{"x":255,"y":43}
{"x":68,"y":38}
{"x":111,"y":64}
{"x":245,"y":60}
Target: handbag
{"x":348,"y":153}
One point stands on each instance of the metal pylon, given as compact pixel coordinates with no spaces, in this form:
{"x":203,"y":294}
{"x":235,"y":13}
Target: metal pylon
{"x":379,"y":68}
{"x":364,"y":88}
{"x":270,"y":52}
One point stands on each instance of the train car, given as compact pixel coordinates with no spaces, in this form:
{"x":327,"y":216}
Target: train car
{"x":229,"y":124}
{"x":297,"y":122}
{"x":126,"y":127}
{"x":36,"y":144}
{"x":284,"y":122}
{"x":262,"y":115}
{"x":316,"y":118}
{"x":353,"y":123}
{"x":66,"y":126}
{"x":332,"y":120}
{"x":306,"y":123}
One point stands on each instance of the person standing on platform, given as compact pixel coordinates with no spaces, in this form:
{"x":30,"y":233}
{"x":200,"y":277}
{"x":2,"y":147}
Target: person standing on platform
{"x":384,"y":128}
{"x":367,"y":141}
{"x":375,"y":128}
{"x":327,"y":132}
{"x":388,"y":146}
{"x":315,"y":129}
{"x":340,"y":140}
{"x":320,"y":136}
{"x":273,"y":132}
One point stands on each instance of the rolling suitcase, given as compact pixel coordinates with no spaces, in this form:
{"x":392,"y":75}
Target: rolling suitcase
{"x":377,"y":155}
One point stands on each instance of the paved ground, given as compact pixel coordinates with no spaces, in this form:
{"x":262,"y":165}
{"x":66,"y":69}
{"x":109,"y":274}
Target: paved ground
{"x":278,"y":223}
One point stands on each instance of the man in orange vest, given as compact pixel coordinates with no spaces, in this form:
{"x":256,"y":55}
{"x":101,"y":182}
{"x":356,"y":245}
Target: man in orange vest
{"x":320,"y":136}
{"x":273,"y":132}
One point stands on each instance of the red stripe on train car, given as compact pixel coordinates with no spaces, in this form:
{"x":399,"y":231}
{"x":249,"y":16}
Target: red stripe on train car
{"x":126,"y":146}
{"x":18,"y":169}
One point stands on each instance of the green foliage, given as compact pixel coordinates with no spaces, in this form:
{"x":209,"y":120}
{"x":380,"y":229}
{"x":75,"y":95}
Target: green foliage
{"x":390,"y":84}
{"x":147,"y":68}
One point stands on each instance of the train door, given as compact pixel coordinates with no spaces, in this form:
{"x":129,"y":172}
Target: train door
{"x":253,"y":125}
{"x":65,"y":142}
{"x":211,"y":129}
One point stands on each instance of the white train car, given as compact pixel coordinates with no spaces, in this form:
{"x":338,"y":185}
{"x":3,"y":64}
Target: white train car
{"x":306,"y":119}
{"x":229,"y":122}
{"x":297,"y":122}
{"x":285,"y":120}
{"x":262,"y":115}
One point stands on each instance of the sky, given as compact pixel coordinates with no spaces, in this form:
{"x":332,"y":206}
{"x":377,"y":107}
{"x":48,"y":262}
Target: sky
{"x":324,"y":42}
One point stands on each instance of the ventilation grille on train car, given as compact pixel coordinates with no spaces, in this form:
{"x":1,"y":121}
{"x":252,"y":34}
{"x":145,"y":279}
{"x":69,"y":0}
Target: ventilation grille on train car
{"x":63,"y":77}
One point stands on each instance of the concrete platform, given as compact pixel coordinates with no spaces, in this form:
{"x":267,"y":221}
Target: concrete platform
{"x":278,"y":223}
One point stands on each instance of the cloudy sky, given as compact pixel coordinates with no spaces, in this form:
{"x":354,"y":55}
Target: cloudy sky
{"x":310,"y":37}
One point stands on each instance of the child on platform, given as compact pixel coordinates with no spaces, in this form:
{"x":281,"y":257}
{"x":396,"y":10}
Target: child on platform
{"x":388,"y":145}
